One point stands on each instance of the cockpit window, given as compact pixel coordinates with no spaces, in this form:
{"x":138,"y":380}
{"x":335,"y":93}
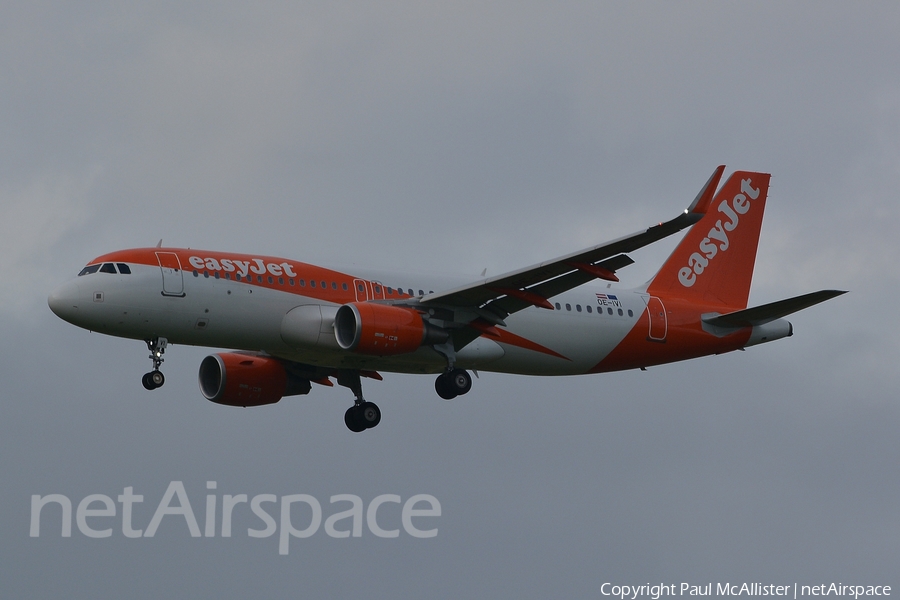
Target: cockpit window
{"x":89,"y":269}
{"x":124,"y":269}
{"x":108,"y":268}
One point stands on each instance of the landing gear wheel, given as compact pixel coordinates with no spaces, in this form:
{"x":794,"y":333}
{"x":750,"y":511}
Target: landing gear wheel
{"x":369,"y":414}
{"x":443,"y":387}
{"x":460,"y":381}
{"x":145,"y":381}
{"x":153,"y":380}
{"x":453,"y":383}
{"x":157,"y":378}
{"x":353,"y":420}
{"x":362,"y":415}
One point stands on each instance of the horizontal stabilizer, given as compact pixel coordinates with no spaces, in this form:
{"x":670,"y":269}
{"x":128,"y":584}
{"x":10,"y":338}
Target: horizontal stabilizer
{"x":760,"y":315}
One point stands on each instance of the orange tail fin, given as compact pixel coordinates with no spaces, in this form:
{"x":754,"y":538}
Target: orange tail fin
{"x":713,"y":264}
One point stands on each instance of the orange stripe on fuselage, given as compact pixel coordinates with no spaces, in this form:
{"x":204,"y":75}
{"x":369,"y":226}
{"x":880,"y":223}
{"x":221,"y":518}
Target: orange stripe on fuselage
{"x":685,"y":339}
{"x":255,"y":270}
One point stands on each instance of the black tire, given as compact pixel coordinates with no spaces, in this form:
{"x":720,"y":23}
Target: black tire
{"x":369,"y":414}
{"x":353,"y":420}
{"x":147,"y":383}
{"x":444,"y":388}
{"x":460,"y":381}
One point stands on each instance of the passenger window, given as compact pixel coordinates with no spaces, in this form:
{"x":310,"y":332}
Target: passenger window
{"x":333,"y":285}
{"x":377,"y":289}
{"x":124,"y":269}
{"x":620,"y":312}
{"x":312,"y":283}
{"x":302,"y":283}
{"x":609,"y":311}
{"x":324,"y":285}
{"x":421,"y":293}
{"x":578,"y":307}
{"x":360,"y":288}
{"x":89,"y":269}
{"x":630,"y":313}
{"x":411,"y":292}
{"x":568,"y":306}
{"x":108,"y":268}
{"x":217,"y":274}
{"x":281,"y":281}
{"x":588,"y":308}
{"x":291,"y":281}
{"x":344,"y":286}
{"x":196,"y":274}
{"x":270,"y":279}
{"x":259,"y":279}
{"x":237,"y":277}
{"x":558,"y":307}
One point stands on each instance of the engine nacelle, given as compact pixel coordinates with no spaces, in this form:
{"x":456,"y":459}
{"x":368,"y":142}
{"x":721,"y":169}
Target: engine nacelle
{"x":383,"y":330}
{"x":247,"y":380}
{"x":310,"y":325}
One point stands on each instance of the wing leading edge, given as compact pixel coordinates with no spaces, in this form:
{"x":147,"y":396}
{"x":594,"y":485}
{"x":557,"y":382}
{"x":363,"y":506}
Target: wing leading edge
{"x":511,"y":292}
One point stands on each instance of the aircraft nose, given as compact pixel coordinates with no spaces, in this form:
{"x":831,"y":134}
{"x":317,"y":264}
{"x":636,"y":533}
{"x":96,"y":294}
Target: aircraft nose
{"x":64,"y":301}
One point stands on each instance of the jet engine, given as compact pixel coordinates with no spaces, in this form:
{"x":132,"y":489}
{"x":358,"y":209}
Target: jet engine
{"x":382,"y":329}
{"x":236,"y":379}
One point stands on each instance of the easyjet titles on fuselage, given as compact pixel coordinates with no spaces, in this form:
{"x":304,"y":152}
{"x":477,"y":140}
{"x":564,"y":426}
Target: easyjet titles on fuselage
{"x":243,"y":267}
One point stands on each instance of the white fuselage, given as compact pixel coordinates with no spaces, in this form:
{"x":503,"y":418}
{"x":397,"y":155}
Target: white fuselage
{"x":195,"y":307}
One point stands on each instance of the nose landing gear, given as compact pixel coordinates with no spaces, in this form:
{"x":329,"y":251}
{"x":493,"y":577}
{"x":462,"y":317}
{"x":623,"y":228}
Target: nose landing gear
{"x":155,"y":378}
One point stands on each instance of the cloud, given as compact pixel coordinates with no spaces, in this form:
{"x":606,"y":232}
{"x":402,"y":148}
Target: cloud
{"x":451,"y":138}
{"x":37,"y":217}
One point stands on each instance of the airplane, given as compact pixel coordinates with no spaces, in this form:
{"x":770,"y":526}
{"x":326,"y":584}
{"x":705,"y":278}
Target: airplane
{"x":293,"y":324}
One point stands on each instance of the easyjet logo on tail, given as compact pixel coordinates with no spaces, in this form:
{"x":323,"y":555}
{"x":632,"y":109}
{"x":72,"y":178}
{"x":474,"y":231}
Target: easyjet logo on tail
{"x":717,"y":238}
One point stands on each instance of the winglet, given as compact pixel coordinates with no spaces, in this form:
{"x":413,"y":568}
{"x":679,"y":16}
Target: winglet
{"x":701,"y":203}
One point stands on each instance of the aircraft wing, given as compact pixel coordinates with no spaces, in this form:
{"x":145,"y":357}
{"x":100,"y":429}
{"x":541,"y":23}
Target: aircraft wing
{"x":760,"y":315}
{"x":508,"y":293}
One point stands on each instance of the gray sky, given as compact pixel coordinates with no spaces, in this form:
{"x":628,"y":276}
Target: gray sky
{"x":455,"y":137}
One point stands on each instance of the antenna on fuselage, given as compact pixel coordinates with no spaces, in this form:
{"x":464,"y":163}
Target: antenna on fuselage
{"x":159,"y":243}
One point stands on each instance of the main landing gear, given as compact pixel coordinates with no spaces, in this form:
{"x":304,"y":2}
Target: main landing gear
{"x":366,"y":415}
{"x":453,"y":383}
{"x":362,"y":415}
{"x":155,"y":378}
